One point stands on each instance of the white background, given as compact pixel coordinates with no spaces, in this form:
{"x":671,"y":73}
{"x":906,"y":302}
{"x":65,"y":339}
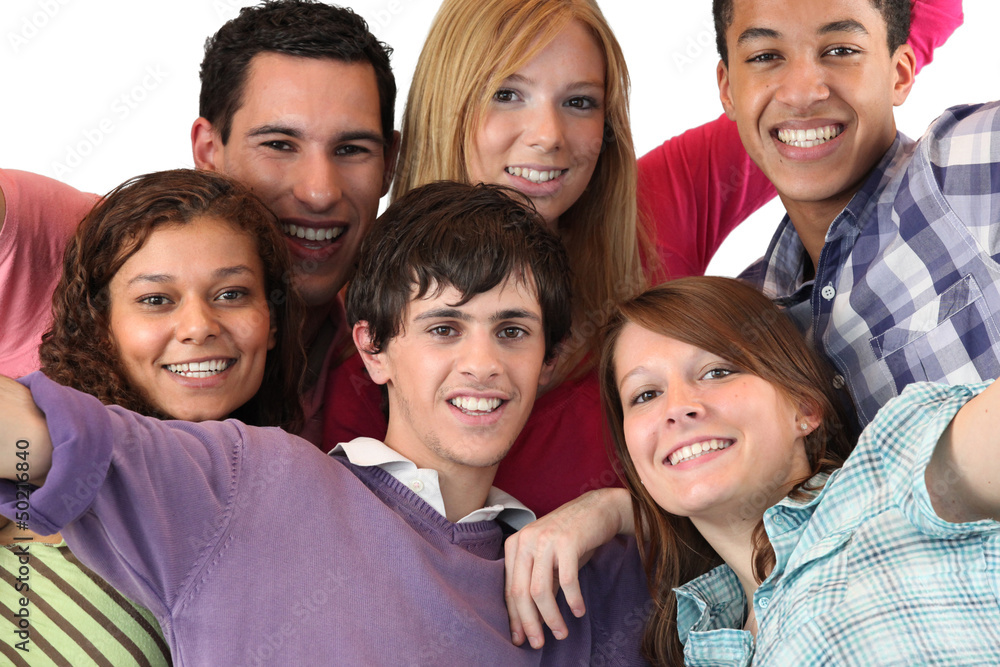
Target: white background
{"x":96,"y":91}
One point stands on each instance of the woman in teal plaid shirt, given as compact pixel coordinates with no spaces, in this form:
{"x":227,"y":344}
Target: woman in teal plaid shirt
{"x":762,"y":547}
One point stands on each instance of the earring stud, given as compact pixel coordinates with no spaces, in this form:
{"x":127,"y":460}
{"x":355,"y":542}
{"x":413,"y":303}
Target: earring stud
{"x":804,"y":426}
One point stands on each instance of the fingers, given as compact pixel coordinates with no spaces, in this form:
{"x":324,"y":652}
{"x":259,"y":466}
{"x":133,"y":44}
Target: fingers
{"x":569,"y":581}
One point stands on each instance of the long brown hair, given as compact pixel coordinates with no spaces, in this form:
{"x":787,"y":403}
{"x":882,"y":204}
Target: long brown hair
{"x":471,"y":48}
{"x":79,"y":350}
{"x":736,"y":322}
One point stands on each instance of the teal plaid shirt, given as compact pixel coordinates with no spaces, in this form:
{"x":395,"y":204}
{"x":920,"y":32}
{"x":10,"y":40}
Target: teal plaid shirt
{"x":866,"y":573}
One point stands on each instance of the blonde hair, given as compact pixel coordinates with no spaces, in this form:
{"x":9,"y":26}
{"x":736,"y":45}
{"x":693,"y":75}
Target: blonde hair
{"x":472,"y":47}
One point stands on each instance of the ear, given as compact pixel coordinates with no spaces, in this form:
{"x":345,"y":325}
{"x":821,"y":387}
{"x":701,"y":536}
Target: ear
{"x":374,"y":362}
{"x":906,"y":71}
{"x":206,"y":145}
{"x":272,"y":336}
{"x":722,"y":74}
{"x":809,"y":414}
{"x":391,"y":155}
{"x":548,"y":368}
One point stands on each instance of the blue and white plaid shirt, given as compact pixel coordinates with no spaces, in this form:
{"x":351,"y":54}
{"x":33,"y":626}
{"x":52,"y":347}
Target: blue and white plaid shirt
{"x":908,"y":281}
{"x":866,"y":572}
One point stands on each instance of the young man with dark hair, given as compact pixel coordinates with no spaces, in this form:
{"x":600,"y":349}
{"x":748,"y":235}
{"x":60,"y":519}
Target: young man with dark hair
{"x":252,"y":547}
{"x":297,"y":102}
{"x":888,"y":254}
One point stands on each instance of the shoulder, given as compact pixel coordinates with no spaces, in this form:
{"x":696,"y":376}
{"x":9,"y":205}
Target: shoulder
{"x":38,"y":206}
{"x":962,"y":135}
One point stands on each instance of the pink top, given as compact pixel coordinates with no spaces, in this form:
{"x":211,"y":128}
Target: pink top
{"x":693,"y":190}
{"x":42,"y":215}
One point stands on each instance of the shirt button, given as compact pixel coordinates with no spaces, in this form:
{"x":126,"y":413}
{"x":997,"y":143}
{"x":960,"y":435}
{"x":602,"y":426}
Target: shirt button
{"x":763,"y":602}
{"x":838,"y":381}
{"x":828,"y":292}
{"x":417,"y":485}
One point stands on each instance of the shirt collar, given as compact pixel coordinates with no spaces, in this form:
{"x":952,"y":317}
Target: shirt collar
{"x":368,"y":452}
{"x":784,"y":261}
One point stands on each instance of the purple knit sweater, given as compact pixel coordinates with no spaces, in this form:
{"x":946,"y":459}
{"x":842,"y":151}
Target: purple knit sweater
{"x":253,"y":548}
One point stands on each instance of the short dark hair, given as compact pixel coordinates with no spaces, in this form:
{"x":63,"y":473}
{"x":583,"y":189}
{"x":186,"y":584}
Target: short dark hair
{"x":895,"y":12}
{"x":79,"y":351}
{"x":470,"y":237}
{"x":296,"y":28}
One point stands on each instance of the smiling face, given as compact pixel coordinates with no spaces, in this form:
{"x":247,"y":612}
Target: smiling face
{"x":543,"y":130}
{"x":811,"y":85}
{"x":307,"y":140}
{"x":461,"y":379}
{"x":190,"y":319}
{"x":708,"y":441}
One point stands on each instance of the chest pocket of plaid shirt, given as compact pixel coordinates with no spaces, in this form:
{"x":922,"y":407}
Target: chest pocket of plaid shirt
{"x":950,"y":338}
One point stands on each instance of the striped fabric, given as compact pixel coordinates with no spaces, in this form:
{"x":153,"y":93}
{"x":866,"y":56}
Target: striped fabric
{"x":908,"y":283}
{"x":866,"y":573}
{"x":76,"y":618}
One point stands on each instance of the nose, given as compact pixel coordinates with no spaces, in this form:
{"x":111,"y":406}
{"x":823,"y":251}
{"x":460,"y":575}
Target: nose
{"x":196,"y":323}
{"x":318,"y":184}
{"x":545,"y":130}
{"x":803,"y":84}
{"x":480,"y":359}
{"x":682,"y":404}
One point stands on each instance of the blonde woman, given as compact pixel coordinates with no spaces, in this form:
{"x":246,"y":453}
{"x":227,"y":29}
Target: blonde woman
{"x":533,"y":94}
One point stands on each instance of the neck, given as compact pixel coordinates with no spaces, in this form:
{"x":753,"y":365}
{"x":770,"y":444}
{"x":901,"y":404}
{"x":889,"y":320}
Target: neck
{"x":464,"y":489}
{"x":812,"y":221}
{"x":733,"y":541}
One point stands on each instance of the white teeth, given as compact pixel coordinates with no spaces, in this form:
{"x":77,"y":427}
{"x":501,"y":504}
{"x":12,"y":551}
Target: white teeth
{"x":534,"y":175}
{"x":312,"y":233}
{"x":811,"y":137}
{"x":697,"y":449}
{"x":201,"y":369}
{"x":471,"y":404}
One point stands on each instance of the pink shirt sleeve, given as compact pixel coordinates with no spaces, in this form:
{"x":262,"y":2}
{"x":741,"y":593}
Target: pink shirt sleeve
{"x":931,"y":24}
{"x":695,"y":188}
{"x":42,"y":215}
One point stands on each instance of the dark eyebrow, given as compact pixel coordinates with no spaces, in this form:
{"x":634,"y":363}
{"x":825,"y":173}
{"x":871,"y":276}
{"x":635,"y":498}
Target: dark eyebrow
{"x":456,"y":314}
{"x":224,"y":272}
{"x":274,"y":129}
{"x":450,"y":313}
{"x":757,"y":33}
{"x":353,"y":135}
{"x":847,"y":25}
{"x":515,"y":314}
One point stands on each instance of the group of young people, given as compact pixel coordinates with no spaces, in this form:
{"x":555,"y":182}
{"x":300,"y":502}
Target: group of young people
{"x":503,"y":292}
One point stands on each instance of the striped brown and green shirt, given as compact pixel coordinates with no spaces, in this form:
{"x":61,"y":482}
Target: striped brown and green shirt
{"x":75,"y":618}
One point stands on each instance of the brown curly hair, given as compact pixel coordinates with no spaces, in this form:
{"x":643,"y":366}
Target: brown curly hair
{"x":79,"y":351}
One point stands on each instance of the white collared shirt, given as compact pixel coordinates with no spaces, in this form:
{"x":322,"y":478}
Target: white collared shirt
{"x":424,"y":482}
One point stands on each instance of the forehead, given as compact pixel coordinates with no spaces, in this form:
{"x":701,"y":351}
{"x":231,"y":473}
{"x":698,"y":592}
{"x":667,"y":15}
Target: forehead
{"x":322,"y":92}
{"x":801,"y":18}
{"x":516,"y":293}
{"x":204,"y":239}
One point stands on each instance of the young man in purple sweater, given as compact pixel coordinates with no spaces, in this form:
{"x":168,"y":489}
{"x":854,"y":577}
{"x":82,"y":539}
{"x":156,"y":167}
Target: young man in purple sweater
{"x":252,"y":547}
